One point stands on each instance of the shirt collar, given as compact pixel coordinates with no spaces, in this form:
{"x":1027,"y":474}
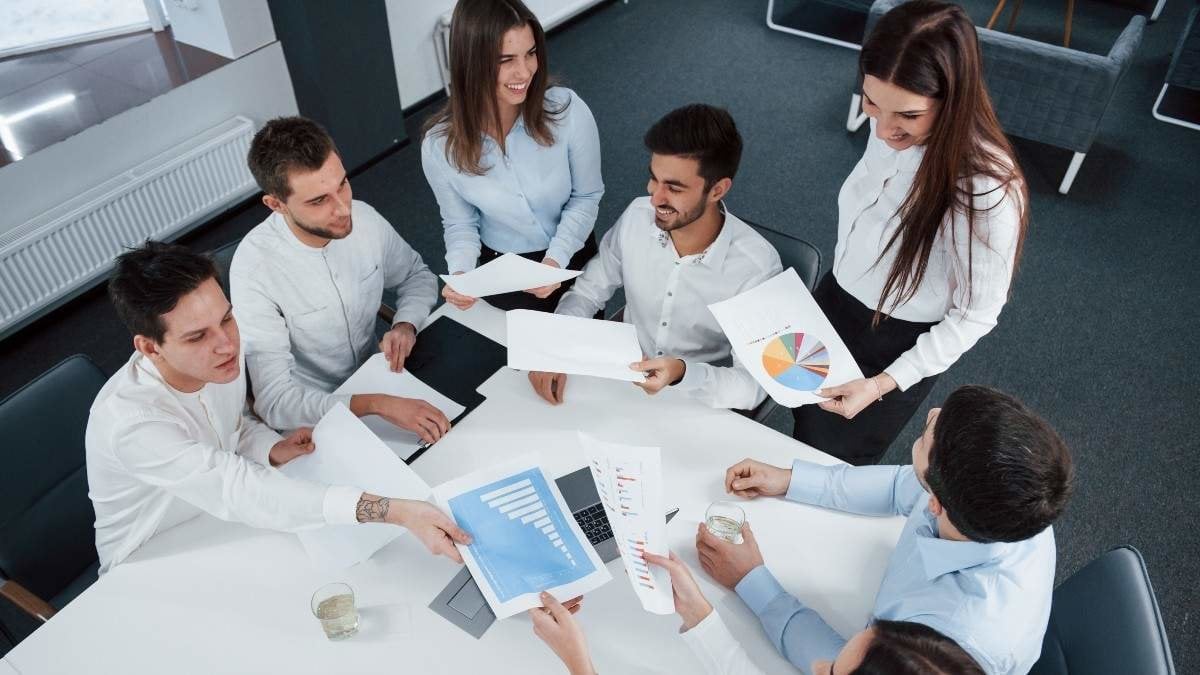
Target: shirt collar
{"x":943,"y":556}
{"x":714,"y":256}
{"x":279,"y":224}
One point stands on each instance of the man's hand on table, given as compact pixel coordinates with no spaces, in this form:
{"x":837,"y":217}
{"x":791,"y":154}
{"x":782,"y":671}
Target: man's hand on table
{"x":550,"y":386}
{"x":297,"y":443}
{"x":397,"y":344}
{"x":727,"y":563}
{"x":432,"y":527}
{"x":751,"y":478}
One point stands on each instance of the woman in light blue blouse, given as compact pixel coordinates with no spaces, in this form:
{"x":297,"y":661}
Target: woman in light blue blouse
{"x":515,"y":166}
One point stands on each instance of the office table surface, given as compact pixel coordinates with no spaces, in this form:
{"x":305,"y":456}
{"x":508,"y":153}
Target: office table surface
{"x":7,"y":668}
{"x":208,"y":596}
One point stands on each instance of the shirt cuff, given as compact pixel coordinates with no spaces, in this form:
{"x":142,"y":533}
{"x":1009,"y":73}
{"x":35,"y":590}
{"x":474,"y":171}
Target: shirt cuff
{"x":695,"y":375}
{"x":904,"y":373}
{"x":262,"y":451}
{"x":461,"y":263}
{"x":560,"y":254}
{"x":413,"y":315}
{"x":758,"y":588}
{"x":341,"y":504}
{"x":709,"y":637}
{"x":808,"y":482}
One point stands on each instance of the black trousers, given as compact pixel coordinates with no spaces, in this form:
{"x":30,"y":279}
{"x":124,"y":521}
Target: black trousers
{"x":523,"y":300}
{"x":864,"y":439}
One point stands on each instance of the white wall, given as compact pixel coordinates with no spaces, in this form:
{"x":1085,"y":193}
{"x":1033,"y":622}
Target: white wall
{"x":231,"y":28}
{"x":257,"y":86}
{"x":412,"y":22}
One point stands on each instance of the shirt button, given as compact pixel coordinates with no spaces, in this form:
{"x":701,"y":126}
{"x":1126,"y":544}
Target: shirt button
{"x":670,"y":294}
{"x":660,"y":353}
{"x":664,"y":323}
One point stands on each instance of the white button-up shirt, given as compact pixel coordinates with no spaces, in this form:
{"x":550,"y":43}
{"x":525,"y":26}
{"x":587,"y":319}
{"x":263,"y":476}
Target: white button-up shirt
{"x":307,"y":315}
{"x":667,"y":296}
{"x":157,"y":457}
{"x":867,"y":218}
{"x":717,"y":649}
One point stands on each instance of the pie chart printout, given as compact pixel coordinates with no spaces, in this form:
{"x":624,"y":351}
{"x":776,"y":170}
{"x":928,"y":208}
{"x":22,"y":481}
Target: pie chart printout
{"x":797,"y":361}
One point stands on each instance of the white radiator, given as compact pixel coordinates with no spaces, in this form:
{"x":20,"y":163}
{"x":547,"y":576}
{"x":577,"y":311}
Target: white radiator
{"x":63,"y":251}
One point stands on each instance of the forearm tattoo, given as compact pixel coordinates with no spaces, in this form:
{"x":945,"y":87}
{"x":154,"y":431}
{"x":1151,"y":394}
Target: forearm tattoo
{"x":372,"y":509}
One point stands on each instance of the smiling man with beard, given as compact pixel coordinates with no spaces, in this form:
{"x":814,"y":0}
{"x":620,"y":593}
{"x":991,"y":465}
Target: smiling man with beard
{"x":675,"y":252}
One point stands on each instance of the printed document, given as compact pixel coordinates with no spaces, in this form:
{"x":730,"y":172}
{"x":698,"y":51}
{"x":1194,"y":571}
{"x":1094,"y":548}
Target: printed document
{"x":783,"y":339}
{"x":629,"y":480}
{"x":524,"y":538}
{"x":555,"y":343}
{"x":510,"y":272}
{"x":349,"y":454}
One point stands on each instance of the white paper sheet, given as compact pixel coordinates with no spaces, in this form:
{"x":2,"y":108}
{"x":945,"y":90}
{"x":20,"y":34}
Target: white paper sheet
{"x":784,"y":340}
{"x":567,"y":344}
{"x":525,"y":539}
{"x":374,"y":377}
{"x":510,"y":272}
{"x":629,"y":480}
{"x":349,"y":454}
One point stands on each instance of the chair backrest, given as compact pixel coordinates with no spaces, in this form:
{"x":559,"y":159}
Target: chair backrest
{"x":793,"y":252}
{"x":1184,"y":70}
{"x":1105,"y":620}
{"x":1043,"y":92}
{"x":223,"y":256}
{"x":47,"y":536}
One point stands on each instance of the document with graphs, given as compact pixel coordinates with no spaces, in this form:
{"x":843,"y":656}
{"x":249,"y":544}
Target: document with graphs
{"x":629,"y":480}
{"x":524,"y":538}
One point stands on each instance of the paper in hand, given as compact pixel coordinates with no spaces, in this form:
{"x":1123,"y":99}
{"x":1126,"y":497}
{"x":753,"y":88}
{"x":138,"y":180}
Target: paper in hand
{"x":348,"y":454}
{"x":510,"y":272}
{"x":554,"y":343}
{"x":784,"y":340}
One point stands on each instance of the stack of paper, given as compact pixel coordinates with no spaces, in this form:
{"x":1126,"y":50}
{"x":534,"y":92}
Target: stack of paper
{"x":349,"y":454}
{"x":508,"y":273}
{"x":554,"y":343}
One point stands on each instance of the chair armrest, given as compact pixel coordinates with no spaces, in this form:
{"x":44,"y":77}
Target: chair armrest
{"x":386,"y":313}
{"x":1127,"y":42}
{"x":25,"y":600}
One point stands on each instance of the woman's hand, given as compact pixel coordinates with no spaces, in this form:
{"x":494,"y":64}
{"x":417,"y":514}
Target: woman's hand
{"x":855,"y":396}
{"x":544,"y":292}
{"x":556,"y":627}
{"x":457,"y":299}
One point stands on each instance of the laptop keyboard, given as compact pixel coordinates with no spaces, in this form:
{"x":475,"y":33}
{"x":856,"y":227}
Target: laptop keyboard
{"x":594,"y":523}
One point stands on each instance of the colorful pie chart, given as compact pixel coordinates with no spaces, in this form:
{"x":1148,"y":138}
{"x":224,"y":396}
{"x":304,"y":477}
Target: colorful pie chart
{"x":797,"y":361}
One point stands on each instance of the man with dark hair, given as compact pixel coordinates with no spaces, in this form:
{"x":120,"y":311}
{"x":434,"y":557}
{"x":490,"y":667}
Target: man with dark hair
{"x":307,"y":283}
{"x":676,"y":252}
{"x":975,"y":560}
{"x":169,"y":437}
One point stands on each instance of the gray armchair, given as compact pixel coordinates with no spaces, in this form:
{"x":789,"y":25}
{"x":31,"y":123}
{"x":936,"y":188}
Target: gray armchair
{"x":1183,"y":76}
{"x":1042,"y":92}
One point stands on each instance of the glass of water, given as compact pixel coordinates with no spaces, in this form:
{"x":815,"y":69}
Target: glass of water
{"x":333,"y":605}
{"x":724,"y":520}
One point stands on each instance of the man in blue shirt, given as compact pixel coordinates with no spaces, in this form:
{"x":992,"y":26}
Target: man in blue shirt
{"x":975,"y":560}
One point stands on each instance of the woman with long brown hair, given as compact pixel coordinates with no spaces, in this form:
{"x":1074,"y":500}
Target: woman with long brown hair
{"x":514,"y":163}
{"x":930,"y":227}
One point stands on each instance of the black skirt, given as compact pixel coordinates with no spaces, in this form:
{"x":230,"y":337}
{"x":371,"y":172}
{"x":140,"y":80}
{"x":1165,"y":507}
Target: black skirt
{"x":523,"y":300}
{"x":864,"y":439}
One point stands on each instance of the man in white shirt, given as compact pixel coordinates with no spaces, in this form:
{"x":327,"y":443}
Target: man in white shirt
{"x":676,"y":252}
{"x":169,"y":437}
{"x":307,"y":283}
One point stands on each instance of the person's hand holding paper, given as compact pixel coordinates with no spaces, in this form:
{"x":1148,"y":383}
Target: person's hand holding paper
{"x":508,"y":273}
{"x":553,"y":343}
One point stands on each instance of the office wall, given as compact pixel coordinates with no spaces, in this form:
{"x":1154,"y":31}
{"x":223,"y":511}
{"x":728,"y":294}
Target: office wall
{"x":256,"y":86}
{"x":411,"y":23}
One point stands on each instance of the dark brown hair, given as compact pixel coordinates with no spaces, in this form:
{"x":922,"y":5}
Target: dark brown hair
{"x":931,"y":49}
{"x":477,"y":31}
{"x":1001,"y":472}
{"x":147,"y":282}
{"x":910,"y":648}
{"x":701,"y":132}
{"x":285,"y":144}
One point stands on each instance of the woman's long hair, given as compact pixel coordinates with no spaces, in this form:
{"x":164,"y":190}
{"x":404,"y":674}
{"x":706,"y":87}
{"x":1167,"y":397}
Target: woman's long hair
{"x":931,"y":49}
{"x":477,"y":31}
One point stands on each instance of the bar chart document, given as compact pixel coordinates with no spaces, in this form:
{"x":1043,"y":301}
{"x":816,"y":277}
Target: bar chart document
{"x":784,"y":340}
{"x":629,"y":480}
{"x":524,"y":538}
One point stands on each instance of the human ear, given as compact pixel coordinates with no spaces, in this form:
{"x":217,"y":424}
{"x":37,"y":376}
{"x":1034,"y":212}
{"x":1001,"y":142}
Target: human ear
{"x":272,"y":202}
{"x":146,"y":346}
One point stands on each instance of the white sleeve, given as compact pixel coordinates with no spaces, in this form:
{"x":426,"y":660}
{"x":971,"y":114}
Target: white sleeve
{"x":256,"y":439}
{"x":281,"y":400}
{"x":157,"y":450}
{"x":721,"y":386}
{"x":717,"y":649}
{"x":983,"y":263}
{"x":460,"y":218}
{"x":600,"y":279}
{"x":407,"y":275}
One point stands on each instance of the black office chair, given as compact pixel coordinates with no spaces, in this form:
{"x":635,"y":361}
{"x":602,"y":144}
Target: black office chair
{"x":223,"y":256}
{"x":47,"y":536}
{"x":1105,"y":619}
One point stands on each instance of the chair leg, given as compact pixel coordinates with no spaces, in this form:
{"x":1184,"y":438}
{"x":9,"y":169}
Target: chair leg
{"x":1072,"y":170}
{"x":1012,"y":19}
{"x":996,"y":14}
{"x":1067,"y":31}
{"x":1192,"y":124}
{"x":1158,"y":7}
{"x":856,"y":117}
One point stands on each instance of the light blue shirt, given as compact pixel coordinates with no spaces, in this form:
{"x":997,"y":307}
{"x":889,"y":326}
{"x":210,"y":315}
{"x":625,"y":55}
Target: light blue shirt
{"x":992,"y":599}
{"x":533,"y":198}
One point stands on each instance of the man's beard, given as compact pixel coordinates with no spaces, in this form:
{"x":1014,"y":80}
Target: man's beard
{"x":686,"y":218}
{"x":318,"y":231}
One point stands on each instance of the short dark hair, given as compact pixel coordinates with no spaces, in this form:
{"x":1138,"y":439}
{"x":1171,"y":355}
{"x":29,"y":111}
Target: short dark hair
{"x":148,"y":282}
{"x":284,"y":144}
{"x":910,"y":648}
{"x":1001,"y":472}
{"x":701,"y":132}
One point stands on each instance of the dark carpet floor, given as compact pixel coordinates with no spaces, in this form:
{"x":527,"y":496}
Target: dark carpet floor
{"x":1100,"y":335}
